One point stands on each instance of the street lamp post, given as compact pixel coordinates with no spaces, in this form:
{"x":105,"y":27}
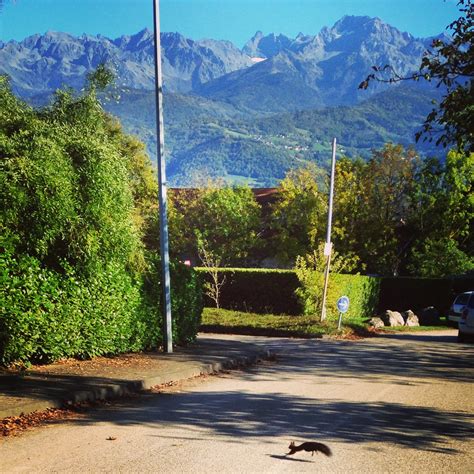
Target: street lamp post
{"x":164,"y":244}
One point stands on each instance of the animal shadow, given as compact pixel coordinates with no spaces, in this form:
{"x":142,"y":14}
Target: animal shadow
{"x":286,"y":458}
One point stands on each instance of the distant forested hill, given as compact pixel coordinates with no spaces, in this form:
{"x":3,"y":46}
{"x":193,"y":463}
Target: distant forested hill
{"x":204,"y":136}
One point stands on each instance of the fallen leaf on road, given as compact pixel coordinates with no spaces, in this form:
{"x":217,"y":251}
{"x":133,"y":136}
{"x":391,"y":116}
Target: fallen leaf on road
{"x":15,"y":424}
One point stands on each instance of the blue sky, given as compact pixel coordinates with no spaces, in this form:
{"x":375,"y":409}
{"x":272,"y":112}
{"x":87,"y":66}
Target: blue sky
{"x":235,"y":20}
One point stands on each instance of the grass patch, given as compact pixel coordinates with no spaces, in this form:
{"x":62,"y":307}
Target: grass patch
{"x":277,"y":325}
{"x":415,"y":328}
{"x":226,"y":321}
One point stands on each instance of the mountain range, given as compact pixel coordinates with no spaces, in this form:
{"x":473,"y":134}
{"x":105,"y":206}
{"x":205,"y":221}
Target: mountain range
{"x":246,"y":114}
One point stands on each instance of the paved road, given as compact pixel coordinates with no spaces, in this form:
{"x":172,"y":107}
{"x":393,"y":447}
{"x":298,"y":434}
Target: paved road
{"x":398,"y":404}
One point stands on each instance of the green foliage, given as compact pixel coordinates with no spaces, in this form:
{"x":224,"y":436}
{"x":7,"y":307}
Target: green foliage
{"x":229,"y":222}
{"x":100,"y":78}
{"x":266,"y":291}
{"x":65,"y":194}
{"x":298,"y":216}
{"x":363,"y":292}
{"x":372,"y":208}
{"x":440,"y":258}
{"x":187,"y":303}
{"x":442,"y":206}
{"x":186,"y":298}
{"x":47,"y":315}
{"x":387,"y":209}
{"x":450,"y":63}
{"x":225,"y":220}
{"x":76,"y":212}
{"x":310,"y":272}
{"x":258,"y":290}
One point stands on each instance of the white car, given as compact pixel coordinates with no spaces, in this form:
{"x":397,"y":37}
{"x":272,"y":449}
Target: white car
{"x":461,"y":301}
{"x":466,"y":322}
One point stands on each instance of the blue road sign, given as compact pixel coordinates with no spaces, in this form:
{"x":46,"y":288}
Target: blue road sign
{"x":343,"y":304}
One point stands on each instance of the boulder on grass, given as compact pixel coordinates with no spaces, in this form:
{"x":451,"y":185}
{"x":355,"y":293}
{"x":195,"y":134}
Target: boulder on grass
{"x":429,"y":316}
{"x":393,"y":318}
{"x":376,"y":323}
{"x":411,"y":319}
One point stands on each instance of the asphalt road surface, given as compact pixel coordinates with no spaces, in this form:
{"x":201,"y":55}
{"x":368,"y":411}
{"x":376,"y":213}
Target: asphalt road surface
{"x":398,"y":404}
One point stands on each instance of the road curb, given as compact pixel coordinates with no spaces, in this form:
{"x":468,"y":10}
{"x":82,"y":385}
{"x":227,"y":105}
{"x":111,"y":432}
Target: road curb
{"x":116,"y":389}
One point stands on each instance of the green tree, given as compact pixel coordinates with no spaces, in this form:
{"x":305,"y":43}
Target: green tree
{"x":450,"y":63}
{"x":350,"y":207}
{"x":226,"y":219}
{"x":440,"y":258}
{"x":65,"y":190}
{"x":372,"y":208}
{"x":76,"y":198}
{"x":298,"y":218}
{"x":442,"y":214}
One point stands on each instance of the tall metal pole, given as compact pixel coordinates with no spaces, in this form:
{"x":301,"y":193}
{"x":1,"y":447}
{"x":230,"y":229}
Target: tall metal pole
{"x":164,"y":245}
{"x":328,"y":246}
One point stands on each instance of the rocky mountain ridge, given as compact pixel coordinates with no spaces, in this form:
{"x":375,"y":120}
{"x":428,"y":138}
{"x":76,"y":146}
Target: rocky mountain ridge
{"x":42,"y":63}
{"x":303,"y":72}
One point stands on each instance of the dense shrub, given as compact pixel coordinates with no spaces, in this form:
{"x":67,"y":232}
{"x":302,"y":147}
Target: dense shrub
{"x":258,"y":290}
{"x":274,"y":291}
{"x":76,"y":278}
{"x":363,"y":292}
{"x":47,"y":315}
{"x":310,"y":270}
{"x":187,"y":299}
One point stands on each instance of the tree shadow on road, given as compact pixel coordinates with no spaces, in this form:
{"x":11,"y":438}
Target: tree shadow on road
{"x":388,"y":359}
{"x":242,"y":415}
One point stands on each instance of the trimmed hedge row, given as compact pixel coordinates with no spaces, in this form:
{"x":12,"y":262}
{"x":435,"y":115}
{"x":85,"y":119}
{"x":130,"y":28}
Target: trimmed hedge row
{"x":47,"y":315}
{"x":363,"y":292}
{"x":258,"y":290}
{"x":273,"y":291}
{"x":403,"y":293}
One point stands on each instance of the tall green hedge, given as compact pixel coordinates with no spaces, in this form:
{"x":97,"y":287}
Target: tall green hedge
{"x":47,"y":315}
{"x":274,"y":291}
{"x":77,"y":276}
{"x":258,"y":290}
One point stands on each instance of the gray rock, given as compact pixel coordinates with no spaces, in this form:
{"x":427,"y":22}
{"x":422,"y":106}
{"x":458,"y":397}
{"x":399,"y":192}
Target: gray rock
{"x":411,"y":319}
{"x":376,"y":323}
{"x":393,"y":318}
